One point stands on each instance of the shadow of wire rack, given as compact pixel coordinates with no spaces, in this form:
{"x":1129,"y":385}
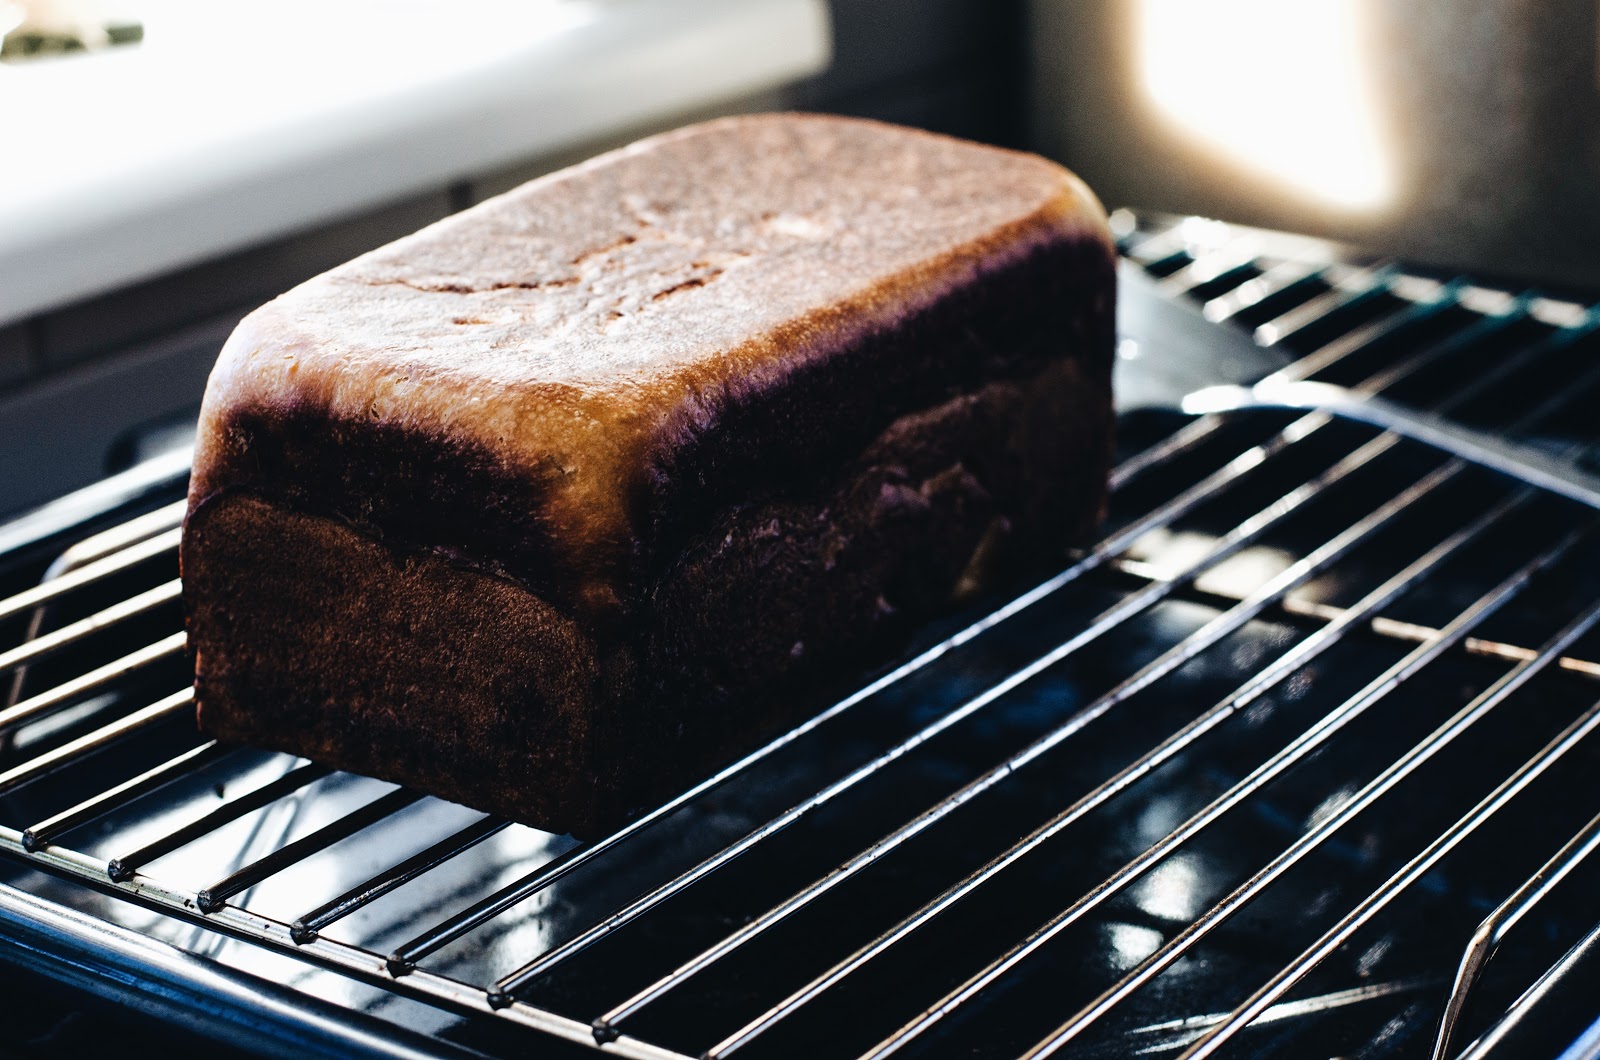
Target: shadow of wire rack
{"x":1247,"y":777}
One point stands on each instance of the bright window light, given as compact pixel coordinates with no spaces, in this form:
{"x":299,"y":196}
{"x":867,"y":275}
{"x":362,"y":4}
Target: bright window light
{"x":1280,"y":86}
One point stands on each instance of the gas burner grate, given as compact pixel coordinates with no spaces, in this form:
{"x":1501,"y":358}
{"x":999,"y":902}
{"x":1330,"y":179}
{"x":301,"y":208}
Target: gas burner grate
{"x":1271,"y":769}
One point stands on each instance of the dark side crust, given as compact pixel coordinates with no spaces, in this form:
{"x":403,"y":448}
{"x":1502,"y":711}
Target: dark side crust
{"x":316,"y":637}
{"x":772,"y":434}
{"x":312,"y":638}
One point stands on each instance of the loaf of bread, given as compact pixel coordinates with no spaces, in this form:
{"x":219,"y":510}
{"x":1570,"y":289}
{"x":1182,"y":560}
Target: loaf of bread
{"x":566,"y":498}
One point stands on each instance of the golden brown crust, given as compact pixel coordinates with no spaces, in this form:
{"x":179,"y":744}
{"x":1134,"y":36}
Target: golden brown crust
{"x":564,"y":326}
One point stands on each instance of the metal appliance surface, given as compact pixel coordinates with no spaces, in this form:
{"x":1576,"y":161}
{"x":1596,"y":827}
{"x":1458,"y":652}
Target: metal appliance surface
{"x":1270,"y":771}
{"x":1429,"y":130}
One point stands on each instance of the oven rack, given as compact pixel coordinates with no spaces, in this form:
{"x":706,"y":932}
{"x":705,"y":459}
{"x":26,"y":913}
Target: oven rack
{"x":1167,"y":547}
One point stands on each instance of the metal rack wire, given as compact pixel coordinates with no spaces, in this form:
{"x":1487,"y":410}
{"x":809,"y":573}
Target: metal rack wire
{"x":1249,"y":555}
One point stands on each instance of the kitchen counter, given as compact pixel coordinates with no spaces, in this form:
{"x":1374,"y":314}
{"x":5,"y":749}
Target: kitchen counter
{"x":232,"y":124}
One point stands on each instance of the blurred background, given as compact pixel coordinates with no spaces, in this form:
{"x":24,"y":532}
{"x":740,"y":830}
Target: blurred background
{"x":167,"y":165}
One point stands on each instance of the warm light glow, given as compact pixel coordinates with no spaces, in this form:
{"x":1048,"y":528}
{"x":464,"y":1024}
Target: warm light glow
{"x":1282,"y":86}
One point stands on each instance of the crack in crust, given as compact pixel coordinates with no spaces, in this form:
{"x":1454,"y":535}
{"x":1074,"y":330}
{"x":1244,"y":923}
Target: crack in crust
{"x":615,"y":244}
{"x":686,"y":285}
{"x":453,"y":287}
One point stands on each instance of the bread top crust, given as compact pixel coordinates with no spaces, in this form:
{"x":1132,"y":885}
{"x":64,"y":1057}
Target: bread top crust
{"x":566,"y":326}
